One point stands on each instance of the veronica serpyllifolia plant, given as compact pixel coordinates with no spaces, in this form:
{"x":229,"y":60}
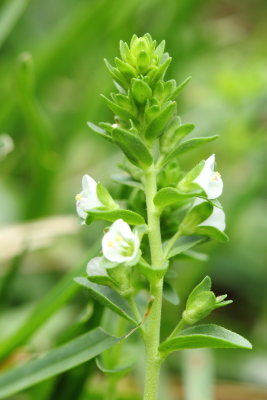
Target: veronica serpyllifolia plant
{"x":177,"y":210}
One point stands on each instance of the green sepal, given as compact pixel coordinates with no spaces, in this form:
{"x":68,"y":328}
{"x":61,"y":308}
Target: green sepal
{"x":134,"y":149}
{"x":141,"y":230}
{"x":180,"y":87}
{"x":141,"y":91}
{"x":151,"y":112}
{"x":101,"y":132}
{"x":199,"y":306}
{"x":99,"y":274}
{"x":169,"y":195}
{"x":188,"y":145}
{"x":128,"y":216}
{"x":108,"y":297}
{"x":205,"y":336}
{"x":116,"y":373}
{"x":120,"y":274}
{"x":125,"y":52}
{"x":159,"y":50}
{"x":194,"y":217}
{"x":105,"y":198}
{"x":118,"y":110}
{"x":156,"y":126}
{"x":212,"y":233}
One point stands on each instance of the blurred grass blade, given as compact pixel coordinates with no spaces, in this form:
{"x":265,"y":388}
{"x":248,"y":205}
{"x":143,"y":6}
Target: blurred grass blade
{"x":48,"y":306}
{"x":61,"y":359}
{"x":10,"y":13}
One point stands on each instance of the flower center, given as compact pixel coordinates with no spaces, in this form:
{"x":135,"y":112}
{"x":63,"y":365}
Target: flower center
{"x":215,"y":176}
{"x":78,"y":196}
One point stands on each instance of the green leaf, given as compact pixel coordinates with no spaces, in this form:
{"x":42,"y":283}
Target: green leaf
{"x":156,"y":126}
{"x":208,"y":336}
{"x":169,"y":195}
{"x":119,"y":111}
{"x":109,"y":298}
{"x":101,"y":132}
{"x":46,"y":307}
{"x":134,"y":149}
{"x":11,"y":12}
{"x":61,"y":359}
{"x":213,"y":233}
{"x":170,"y":294}
{"x":141,"y":91}
{"x":180,"y":87}
{"x":193,"y":255}
{"x":127,"y":181}
{"x":128,"y":216}
{"x":118,"y":372}
{"x":185,"y":243}
{"x":188,"y":145}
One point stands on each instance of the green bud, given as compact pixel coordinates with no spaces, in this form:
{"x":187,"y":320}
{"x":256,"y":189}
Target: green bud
{"x":141,"y":91}
{"x":126,"y":69}
{"x":200,"y":307}
{"x":201,"y":302}
{"x":120,"y":275}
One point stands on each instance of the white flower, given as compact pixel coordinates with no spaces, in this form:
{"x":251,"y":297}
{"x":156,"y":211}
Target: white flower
{"x":120,"y":244}
{"x":95,"y":267}
{"x":209,"y":180}
{"x":87,"y":199}
{"x":216,"y":219}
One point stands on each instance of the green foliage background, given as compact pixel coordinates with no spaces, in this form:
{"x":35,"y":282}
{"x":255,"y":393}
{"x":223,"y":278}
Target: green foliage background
{"x":48,"y":94}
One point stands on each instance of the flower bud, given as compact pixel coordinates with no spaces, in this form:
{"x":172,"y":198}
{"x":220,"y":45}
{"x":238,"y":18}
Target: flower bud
{"x":200,"y":307}
{"x":141,"y":91}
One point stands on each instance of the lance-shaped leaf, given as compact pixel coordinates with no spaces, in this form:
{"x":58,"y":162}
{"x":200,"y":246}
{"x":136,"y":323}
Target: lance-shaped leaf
{"x":208,"y":336}
{"x":134,"y":149}
{"x":109,"y":298}
{"x":118,"y":110}
{"x":59,"y":360}
{"x":213,"y":233}
{"x":170,"y":294}
{"x":170,"y":195}
{"x":188,"y":145}
{"x":101,"y":132}
{"x":156,"y":126}
{"x":128,"y":216}
{"x":117,"y":373}
{"x":185,"y":243}
{"x":179,"y":88}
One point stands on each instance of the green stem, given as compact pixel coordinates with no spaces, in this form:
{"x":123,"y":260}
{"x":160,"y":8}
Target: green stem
{"x":152,"y":334}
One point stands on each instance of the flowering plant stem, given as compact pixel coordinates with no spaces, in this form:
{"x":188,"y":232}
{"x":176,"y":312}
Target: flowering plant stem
{"x":152,"y":334}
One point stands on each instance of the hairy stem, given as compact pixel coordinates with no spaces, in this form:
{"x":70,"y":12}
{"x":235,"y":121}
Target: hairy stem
{"x":152,"y":334}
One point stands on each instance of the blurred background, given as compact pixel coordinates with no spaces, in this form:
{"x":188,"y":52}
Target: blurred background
{"x":51,"y":75}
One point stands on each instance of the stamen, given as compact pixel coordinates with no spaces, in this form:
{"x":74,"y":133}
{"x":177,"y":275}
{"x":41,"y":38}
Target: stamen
{"x":78,"y":196}
{"x":215,"y":177}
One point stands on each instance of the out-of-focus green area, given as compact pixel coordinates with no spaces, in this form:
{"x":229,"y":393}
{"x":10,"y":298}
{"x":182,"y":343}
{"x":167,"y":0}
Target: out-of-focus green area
{"x":51,"y":76}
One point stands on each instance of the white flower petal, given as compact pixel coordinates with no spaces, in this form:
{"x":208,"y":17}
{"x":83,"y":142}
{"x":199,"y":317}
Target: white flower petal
{"x":120,"y":244}
{"x":87,"y":199}
{"x":216,"y":219}
{"x":95,"y":268}
{"x":209,"y":180}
